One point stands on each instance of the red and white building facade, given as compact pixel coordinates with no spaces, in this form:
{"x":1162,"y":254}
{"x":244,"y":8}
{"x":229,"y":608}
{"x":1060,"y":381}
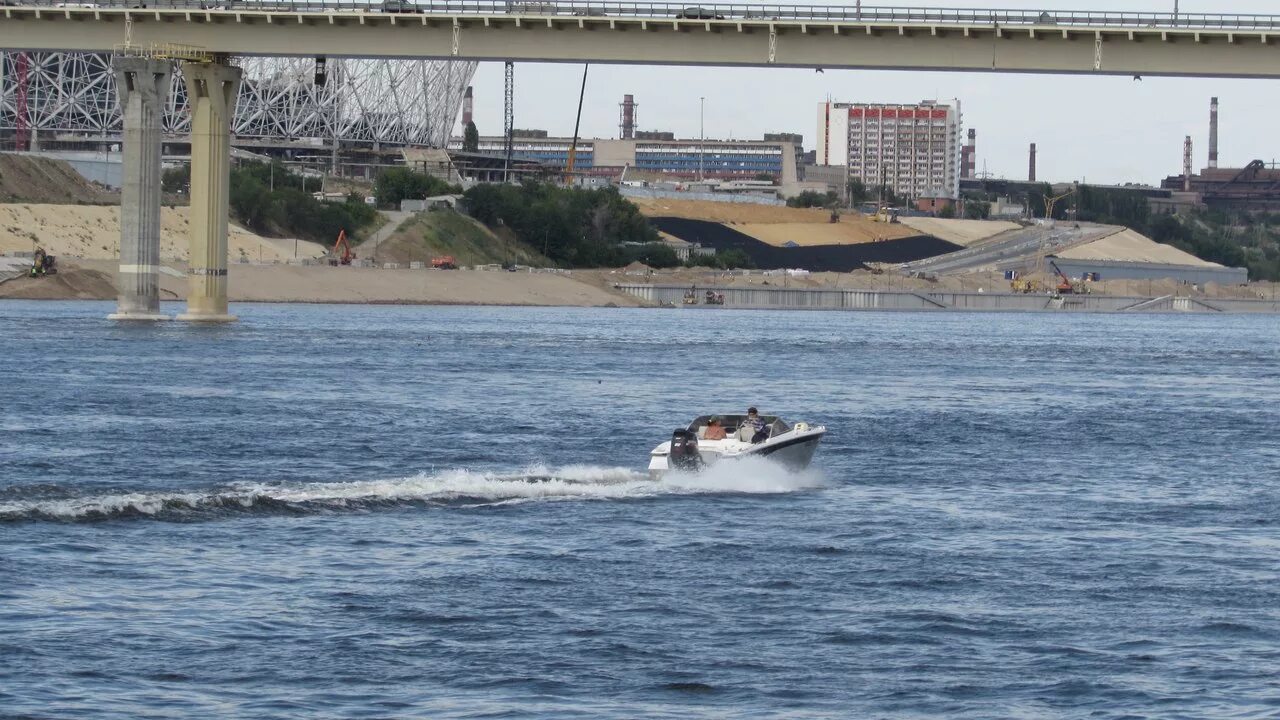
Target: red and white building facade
{"x":914,"y":149}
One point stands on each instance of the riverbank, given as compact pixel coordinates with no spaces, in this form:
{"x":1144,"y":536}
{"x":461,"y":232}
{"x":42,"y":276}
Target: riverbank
{"x":94,"y":279}
{"x":84,"y":279}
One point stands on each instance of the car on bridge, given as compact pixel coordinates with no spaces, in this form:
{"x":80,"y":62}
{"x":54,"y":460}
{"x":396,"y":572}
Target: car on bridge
{"x":400,"y":6}
{"x":698,"y":13}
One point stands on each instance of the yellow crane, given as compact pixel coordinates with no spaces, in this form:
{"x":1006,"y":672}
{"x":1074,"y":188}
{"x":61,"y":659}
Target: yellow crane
{"x":1050,"y":201}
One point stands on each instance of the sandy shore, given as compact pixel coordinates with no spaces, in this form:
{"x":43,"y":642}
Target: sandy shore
{"x":95,"y":279}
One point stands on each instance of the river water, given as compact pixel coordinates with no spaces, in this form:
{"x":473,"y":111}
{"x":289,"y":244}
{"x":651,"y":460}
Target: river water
{"x":328,"y":511}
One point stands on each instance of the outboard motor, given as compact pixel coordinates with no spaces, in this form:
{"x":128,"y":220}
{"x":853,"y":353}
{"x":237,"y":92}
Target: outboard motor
{"x":684,"y":451}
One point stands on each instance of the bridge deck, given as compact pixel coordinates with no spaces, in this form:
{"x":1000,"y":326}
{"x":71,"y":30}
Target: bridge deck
{"x":1119,"y":43}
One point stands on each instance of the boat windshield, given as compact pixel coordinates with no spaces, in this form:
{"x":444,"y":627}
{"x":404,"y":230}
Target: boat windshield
{"x":732,"y":423}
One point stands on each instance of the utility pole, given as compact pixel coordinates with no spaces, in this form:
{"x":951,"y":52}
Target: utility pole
{"x":702,"y":137}
{"x":509,"y":117}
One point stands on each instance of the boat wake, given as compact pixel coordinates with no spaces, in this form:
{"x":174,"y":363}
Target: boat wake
{"x":453,"y":488}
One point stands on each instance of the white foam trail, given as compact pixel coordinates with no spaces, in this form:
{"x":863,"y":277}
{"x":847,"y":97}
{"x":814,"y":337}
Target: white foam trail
{"x":573,"y":482}
{"x":753,"y":475}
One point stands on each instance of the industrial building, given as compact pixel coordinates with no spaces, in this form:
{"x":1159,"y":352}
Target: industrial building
{"x":1254,"y":187}
{"x":668,"y":158}
{"x":913,"y":149}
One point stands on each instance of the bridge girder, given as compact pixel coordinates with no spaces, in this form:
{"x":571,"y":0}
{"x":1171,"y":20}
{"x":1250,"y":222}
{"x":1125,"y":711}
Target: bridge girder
{"x":1121,"y":50}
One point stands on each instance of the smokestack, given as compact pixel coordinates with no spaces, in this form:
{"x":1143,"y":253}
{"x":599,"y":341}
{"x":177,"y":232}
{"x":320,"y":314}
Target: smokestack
{"x":1031,"y":168}
{"x":1186,"y":165}
{"x":466,"y":107}
{"x":969,"y":156}
{"x":628,"y":121}
{"x":1213,"y":133}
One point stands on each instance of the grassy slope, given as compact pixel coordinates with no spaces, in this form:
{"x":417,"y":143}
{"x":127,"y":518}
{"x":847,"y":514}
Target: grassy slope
{"x":445,"y":232}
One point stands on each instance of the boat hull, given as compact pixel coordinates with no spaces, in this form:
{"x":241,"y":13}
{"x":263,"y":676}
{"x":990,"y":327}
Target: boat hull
{"x":793,"y":453}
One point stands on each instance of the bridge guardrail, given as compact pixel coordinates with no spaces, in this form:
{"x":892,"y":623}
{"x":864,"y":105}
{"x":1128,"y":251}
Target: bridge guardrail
{"x":693,"y":10}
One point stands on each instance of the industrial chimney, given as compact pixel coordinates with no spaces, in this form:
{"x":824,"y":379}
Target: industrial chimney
{"x":1213,"y":133}
{"x":466,"y":107}
{"x":1186,"y":165}
{"x":969,"y":156}
{"x":627,"y":121}
{"x":1031,"y":171}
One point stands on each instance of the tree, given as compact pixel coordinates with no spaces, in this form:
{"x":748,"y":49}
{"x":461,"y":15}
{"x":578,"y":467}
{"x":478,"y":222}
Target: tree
{"x":974,"y":210}
{"x":811,"y":199}
{"x":858,"y":191}
{"x":400,"y":183}
{"x":947,"y":211}
{"x":470,"y":138}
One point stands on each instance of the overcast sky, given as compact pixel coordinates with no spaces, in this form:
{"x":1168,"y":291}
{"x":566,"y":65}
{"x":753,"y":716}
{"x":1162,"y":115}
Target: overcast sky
{"x":1099,"y":129}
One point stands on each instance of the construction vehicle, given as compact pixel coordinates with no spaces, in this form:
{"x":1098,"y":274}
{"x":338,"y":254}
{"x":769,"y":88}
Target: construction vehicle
{"x":1023,"y":285}
{"x":444,"y":262}
{"x":42,"y":263}
{"x":1065,"y":285}
{"x":885,"y":214}
{"x":341,"y":253}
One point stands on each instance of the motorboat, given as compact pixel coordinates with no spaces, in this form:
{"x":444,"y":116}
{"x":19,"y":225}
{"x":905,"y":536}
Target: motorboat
{"x":689,"y":449}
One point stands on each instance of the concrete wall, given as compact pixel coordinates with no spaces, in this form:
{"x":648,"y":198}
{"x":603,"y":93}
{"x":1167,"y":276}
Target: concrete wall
{"x":1111,"y":270}
{"x":103,"y":168}
{"x":808,"y":299}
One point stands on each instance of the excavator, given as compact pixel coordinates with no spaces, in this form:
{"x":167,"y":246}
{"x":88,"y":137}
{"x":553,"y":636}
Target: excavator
{"x":1065,"y":286}
{"x":343,"y":245}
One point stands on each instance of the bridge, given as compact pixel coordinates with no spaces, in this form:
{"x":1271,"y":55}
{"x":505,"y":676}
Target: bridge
{"x":149,"y":35}
{"x":903,"y":38}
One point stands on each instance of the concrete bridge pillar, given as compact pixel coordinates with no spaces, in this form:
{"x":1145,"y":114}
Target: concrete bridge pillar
{"x":211,"y":94}
{"x":143,"y":88}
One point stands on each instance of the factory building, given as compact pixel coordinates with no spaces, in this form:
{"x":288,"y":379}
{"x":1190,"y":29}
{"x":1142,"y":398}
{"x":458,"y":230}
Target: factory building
{"x":668,"y":158}
{"x":914,"y":149}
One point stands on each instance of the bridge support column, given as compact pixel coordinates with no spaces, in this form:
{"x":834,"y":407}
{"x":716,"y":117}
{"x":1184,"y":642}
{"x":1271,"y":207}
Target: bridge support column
{"x":143,"y":88}
{"x":211,"y":94}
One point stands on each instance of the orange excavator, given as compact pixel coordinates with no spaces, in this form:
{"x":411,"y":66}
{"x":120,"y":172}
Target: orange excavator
{"x":345,"y":256}
{"x":1065,"y":286}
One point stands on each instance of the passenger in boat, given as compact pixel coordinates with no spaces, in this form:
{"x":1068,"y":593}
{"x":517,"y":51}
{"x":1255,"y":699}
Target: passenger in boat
{"x":754,"y":429}
{"x":714,"y":430}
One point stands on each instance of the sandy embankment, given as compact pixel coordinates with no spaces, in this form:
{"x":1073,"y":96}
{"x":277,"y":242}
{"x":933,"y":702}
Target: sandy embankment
{"x":94,"y":279}
{"x":93,"y":231}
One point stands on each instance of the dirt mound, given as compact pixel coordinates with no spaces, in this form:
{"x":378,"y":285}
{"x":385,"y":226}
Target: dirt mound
{"x":445,"y":232}
{"x":32,"y":179}
{"x":730,"y":213}
{"x":818,"y":258}
{"x":68,"y":283}
{"x":849,"y":231}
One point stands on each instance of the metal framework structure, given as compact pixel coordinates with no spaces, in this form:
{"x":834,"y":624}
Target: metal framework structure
{"x":384,"y":102}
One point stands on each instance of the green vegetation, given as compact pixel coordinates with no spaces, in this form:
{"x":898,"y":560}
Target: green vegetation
{"x":396,"y":184}
{"x":570,"y":226}
{"x":814,"y":199}
{"x":976,"y":210}
{"x":471,"y":138}
{"x":272,"y":200}
{"x":446,"y":232}
{"x":731,"y":259}
{"x":1237,"y":240}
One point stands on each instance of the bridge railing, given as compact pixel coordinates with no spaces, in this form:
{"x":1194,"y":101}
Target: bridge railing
{"x":708,"y":11}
